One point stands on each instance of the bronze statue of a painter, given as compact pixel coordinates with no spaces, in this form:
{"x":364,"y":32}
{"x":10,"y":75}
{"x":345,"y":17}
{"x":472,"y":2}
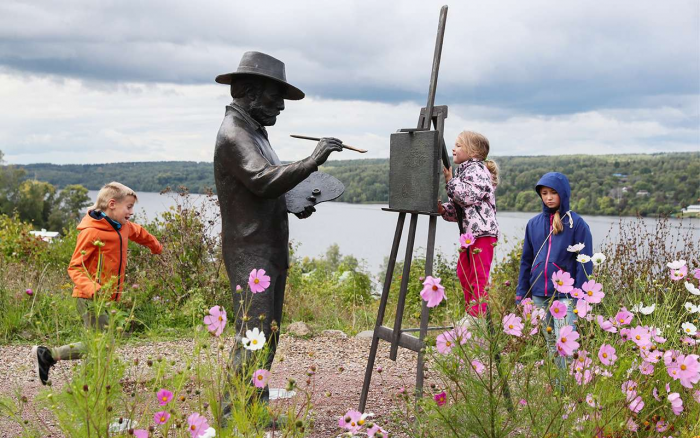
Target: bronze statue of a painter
{"x":251,"y":183}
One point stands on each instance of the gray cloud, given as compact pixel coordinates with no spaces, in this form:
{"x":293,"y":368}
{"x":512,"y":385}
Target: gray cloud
{"x":538,"y":56}
{"x":87,"y":81}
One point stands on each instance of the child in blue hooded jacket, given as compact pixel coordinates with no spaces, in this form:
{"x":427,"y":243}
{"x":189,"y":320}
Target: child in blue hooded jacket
{"x":546,"y":250}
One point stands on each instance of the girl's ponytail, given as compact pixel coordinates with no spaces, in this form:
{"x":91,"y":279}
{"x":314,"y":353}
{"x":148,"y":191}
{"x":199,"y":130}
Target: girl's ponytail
{"x":492,"y":166}
{"x":557,"y":225}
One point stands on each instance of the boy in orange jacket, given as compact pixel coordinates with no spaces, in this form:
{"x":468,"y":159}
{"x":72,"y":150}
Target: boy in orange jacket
{"x":99,"y":260}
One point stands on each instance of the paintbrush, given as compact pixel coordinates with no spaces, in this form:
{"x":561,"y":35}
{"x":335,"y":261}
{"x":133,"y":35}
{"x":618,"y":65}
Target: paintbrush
{"x":304,"y":137}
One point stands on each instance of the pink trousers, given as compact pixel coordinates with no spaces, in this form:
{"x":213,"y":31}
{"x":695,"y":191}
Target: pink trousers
{"x":473,"y":272}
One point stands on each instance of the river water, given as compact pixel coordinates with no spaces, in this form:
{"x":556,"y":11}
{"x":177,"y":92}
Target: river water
{"x":367,"y":232}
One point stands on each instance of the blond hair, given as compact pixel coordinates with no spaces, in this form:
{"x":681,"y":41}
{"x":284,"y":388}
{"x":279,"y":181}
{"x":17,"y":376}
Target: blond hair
{"x":113,"y":190}
{"x":477,"y":146}
{"x":557,"y":225}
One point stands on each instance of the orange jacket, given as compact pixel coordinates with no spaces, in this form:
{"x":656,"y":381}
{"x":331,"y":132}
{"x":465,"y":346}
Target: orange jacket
{"x":87,"y":255}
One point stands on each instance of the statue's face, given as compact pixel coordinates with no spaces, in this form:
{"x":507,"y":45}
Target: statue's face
{"x":267,"y":106}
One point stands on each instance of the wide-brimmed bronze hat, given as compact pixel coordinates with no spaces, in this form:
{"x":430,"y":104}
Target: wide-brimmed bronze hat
{"x":261,"y":64}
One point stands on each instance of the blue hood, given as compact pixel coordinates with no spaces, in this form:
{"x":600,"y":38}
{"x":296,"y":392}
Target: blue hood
{"x":560,"y":183}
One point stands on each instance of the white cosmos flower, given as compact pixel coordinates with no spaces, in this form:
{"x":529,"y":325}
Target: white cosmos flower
{"x":583,"y":258}
{"x":598,"y":259}
{"x":209,"y":433}
{"x":691,"y":288}
{"x":644,"y":310}
{"x":576,"y":248}
{"x":689,"y":328}
{"x":691,"y":308}
{"x":254,"y":339}
{"x":676,"y":264}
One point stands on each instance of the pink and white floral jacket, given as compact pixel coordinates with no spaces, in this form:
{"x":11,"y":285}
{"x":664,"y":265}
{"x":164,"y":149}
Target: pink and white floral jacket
{"x":472,"y":190}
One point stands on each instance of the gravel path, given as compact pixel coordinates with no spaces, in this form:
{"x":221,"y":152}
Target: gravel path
{"x":340,"y":366}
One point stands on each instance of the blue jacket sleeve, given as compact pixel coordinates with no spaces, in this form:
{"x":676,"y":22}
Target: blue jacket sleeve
{"x":582,"y":233}
{"x":525,"y":267}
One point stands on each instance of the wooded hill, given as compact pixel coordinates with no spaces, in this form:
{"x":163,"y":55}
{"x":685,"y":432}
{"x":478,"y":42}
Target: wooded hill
{"x":601,"y":184}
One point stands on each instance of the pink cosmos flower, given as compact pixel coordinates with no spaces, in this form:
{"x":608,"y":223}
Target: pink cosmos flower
{"x":605,"y":324}
{"x":640,"y":335}
{"x":696,"y":395}
{"x":197,"y":425}
{"x":563,"y":281}
{"x":591,"y":400}
{"x":688,"y":370}
{"x":671,"y":362}
{"x":577,"y":293}
{"x":558,"y":309}
{"x":592,"y":291}
{"x":350,"y":421}
{"x":527,"y":305}
{"x":466,"y":240}
{"x":258,"y":281}
{"x":687,"y":340}
{"x":513,"y":325}
{"x":582,"y":308}
{"x":606,"y":354}
{"x":661,"y":426}
{"x":164,"y":396}
{"x":697,"y":273}
{"x":216,"y":320}
{"x":634,"y":402}
{"x":161,"y":417}
{"x":261,"y":377}
{"x":440,"y":398}
{"x":566,"y":344}
{"x":376,"y":431}
{"x":679,"y":274}
{"x":461,"y":335}
{"x":650,"y":356}
{"x":629,"y":386}
{"x":646,"y":368}
{"x":433,"y":292}
{"x":631,"y":425}
{"x":676,"y":402}
{"x":623,"y":317}
{"x":655,"y":393}
{"x":656,"y":335}
{"x":583,"y":377}
{"x":140,"y":433}
{"x":446,"y":341}
{"x":582,"y":362}
{"x":29,"y":292}
{"x":479,"y":367}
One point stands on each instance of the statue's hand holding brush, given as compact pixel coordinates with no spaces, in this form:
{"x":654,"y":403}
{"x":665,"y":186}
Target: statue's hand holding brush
{"x":324,"y":149}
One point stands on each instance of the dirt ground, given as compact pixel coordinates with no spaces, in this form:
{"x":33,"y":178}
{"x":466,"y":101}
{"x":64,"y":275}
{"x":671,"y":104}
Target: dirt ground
{"x":340,"y":367}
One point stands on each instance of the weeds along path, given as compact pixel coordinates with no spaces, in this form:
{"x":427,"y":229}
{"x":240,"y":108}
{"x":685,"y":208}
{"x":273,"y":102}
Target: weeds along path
{"x":339,"y":371}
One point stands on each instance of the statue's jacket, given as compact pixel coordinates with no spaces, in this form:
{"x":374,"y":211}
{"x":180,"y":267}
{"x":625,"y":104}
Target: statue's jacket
{"x":251,"y":183}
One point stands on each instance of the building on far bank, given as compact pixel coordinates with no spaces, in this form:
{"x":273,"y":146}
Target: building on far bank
{"x":46,"y":236}
{"x":691,"y":210}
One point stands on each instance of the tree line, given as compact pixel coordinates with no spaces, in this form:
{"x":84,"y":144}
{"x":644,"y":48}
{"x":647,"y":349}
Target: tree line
{"x":639,"y":184}
{"x":39,"y":202}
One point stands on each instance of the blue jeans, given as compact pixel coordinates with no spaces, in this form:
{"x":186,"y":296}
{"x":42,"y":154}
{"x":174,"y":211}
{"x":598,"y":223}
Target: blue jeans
{"x":556,"y":324}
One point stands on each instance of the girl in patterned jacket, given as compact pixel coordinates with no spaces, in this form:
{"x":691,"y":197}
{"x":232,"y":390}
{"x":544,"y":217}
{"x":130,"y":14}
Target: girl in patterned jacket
{"x":472,"y":204}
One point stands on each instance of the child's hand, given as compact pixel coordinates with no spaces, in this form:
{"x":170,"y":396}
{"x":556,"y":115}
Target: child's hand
{"x":448,"y":174}
{"x":441,"y":209}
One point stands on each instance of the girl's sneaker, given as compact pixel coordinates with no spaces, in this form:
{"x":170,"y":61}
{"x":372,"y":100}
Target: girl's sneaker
{"x":43,"y":361}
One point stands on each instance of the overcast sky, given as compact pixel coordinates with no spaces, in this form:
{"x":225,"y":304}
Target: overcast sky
{"x":87,"y":81}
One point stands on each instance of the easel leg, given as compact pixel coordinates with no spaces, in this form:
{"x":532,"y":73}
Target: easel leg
{"x":404,"y":287}
{"x":424,"y":316}
{"x":382,"y":308}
